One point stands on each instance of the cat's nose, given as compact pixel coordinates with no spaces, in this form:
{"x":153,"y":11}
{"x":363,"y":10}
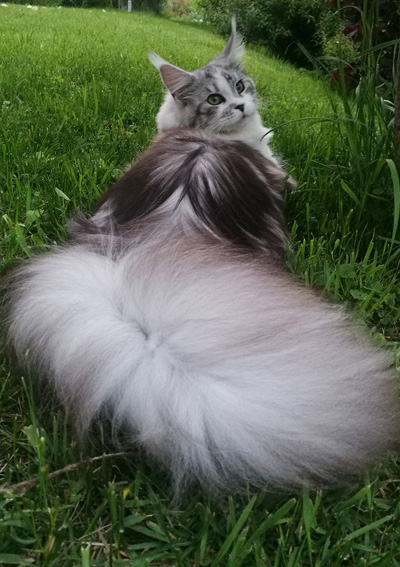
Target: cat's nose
{"x":240,"y":107}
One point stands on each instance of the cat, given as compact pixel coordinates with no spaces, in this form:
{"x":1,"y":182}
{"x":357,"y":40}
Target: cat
{"x":171,"y":310}
{"x":218,"y":97}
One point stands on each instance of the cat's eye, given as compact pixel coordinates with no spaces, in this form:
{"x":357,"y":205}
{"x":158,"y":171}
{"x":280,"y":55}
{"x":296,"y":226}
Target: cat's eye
{"x":240,"y":86}
{"x":215,"y":99}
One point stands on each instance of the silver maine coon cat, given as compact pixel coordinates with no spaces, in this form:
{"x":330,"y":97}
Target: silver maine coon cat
{"x":171,"y":310}
{"x":218,"y":97}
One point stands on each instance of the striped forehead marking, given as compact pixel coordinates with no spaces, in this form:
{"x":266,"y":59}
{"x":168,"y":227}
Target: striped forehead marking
{"x":230,"y":80}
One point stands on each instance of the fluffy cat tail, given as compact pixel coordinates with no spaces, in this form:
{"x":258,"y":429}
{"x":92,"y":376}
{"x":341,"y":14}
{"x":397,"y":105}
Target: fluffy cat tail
{"x":221,"y":368}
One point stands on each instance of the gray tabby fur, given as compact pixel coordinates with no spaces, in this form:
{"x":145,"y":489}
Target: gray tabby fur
{"x":185,"y":104}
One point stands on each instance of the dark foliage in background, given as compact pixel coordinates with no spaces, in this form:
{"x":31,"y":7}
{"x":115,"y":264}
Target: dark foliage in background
{"x":155,"y":6}
{"x":277,"y":25}
{"x":360,"y":26}
{"x":387,"y":15}
{"x":96,"y":4}
{"x":331,"y":28}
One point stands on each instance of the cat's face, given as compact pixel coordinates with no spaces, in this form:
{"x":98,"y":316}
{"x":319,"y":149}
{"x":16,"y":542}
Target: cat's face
{"x":218,"y":97}
{"x":221,"y":99}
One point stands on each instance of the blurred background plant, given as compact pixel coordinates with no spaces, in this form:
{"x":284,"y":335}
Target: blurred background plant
{"x":277,"y":25}
{"x":348,"y":28}
{"x":330,"y":28}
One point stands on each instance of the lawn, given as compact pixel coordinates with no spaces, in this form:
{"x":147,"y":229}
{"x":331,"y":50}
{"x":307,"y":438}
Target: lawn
{"x":78,"y":99}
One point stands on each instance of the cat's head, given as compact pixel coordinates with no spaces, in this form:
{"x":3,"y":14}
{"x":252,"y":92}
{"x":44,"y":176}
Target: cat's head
{"x":219,"y":96}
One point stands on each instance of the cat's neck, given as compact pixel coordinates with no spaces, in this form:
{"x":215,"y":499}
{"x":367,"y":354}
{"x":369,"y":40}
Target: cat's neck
{"x":170,"y":115}
{"x":255,"y":134}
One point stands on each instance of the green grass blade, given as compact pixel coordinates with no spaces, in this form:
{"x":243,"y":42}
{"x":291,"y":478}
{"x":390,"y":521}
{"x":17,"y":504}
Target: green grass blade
{"x":235,"y":531}
{"x":396,"y":196}
{"x":368,"y":528}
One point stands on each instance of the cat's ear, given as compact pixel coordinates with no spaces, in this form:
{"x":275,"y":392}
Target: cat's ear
{"x":173,"y":77}
{"x":234,"y":49}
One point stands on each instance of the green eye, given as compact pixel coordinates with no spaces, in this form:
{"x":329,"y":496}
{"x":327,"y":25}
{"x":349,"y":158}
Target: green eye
{"x":215,"y":99}
{"x":240,"y":86}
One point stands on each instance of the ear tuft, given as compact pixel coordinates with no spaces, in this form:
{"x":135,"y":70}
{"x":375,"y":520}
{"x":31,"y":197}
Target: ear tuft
{"x":173,"y":77}
{"x":156,"y":60}
{"x":234,"y":49}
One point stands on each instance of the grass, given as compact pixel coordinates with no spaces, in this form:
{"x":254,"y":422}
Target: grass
{"x":78,"y":99}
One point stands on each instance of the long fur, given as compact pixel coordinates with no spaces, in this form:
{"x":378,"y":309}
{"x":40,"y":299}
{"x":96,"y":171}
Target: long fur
{"x":171,"y":309}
